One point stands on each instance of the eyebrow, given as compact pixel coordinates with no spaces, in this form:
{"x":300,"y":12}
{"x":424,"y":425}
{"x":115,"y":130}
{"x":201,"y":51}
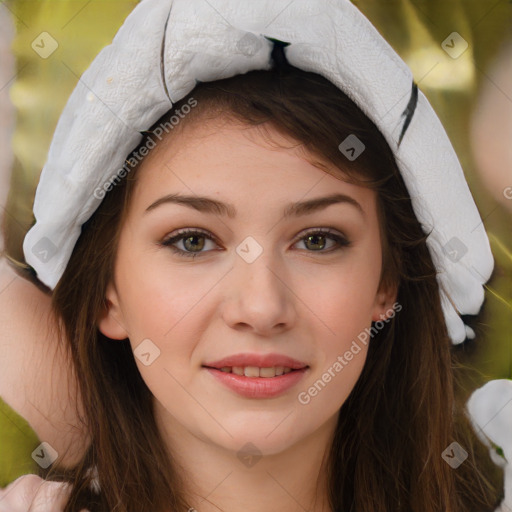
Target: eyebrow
{"x":209,"y":205}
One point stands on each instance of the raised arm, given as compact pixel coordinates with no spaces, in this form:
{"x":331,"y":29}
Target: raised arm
{"x":36,"y":377}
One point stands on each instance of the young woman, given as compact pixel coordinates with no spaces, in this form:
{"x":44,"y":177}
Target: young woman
{"x":255,"y":319}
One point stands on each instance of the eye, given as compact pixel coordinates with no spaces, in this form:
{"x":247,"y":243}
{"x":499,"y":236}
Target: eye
{"x":193,"y":241}
{"x":317,"y":237}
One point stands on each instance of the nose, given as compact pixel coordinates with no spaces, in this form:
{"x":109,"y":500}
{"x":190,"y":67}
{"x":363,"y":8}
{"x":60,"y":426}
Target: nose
{"x":259,"y":296}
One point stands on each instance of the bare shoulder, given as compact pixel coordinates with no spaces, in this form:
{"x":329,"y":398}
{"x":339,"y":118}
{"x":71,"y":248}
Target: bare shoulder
{"x":36,"y":375}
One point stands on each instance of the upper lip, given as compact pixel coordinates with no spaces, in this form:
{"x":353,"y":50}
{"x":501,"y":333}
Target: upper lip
{"x":259,"y":360}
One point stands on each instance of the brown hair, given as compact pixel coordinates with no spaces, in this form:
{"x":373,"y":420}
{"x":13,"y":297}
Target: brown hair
{"x":407,"y":406}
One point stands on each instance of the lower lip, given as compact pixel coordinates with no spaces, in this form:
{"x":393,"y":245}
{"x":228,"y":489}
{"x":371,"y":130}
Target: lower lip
{"x":258,"y":387}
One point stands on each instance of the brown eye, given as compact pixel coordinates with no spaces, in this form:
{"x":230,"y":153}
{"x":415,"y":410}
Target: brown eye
{"x":192,"y":241}
{"x":315,"y":241}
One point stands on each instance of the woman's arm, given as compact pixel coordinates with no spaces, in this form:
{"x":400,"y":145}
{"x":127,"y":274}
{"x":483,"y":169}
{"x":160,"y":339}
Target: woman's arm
{"x":36,"y":377}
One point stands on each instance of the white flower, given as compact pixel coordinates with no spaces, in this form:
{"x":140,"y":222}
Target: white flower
{"x":490,"y":410}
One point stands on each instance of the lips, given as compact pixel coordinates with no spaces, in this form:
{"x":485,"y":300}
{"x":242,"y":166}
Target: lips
{"x":258,"y":387}
{"x":257,"y":360}
{"x":256,"y":376}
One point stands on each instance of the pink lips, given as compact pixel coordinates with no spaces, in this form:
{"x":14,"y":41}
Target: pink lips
{"x":258,"y":387}
{"x":259,"y":360}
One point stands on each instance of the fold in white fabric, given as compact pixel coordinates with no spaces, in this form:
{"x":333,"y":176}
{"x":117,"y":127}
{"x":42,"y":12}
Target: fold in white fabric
{"x":165,"y":46}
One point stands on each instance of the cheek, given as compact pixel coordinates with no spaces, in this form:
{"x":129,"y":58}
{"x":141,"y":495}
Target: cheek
{"x":346,"y":297}
{"x":158,"y":298}
{"x":345,"y":309}
{"x":346,"y":303}
{"x":163,"y":307}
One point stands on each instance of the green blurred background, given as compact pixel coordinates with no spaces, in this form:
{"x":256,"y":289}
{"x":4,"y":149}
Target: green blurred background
{"x":416,"y":29}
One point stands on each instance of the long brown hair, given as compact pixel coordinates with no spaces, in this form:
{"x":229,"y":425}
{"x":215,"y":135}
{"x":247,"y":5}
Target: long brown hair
{"x":407,"y":406}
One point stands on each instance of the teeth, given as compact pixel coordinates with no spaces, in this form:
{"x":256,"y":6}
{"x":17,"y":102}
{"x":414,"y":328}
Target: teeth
{"x":267,"y":372}
{"x":254,"y":371}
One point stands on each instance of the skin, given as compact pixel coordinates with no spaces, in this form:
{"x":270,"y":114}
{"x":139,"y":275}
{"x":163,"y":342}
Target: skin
{"x":32,"y":493}
{"x":304,"y":302}
{"x":44,"y":392}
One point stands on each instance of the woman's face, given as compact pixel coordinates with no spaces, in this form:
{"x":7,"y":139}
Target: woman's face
{"x":262,"y":287}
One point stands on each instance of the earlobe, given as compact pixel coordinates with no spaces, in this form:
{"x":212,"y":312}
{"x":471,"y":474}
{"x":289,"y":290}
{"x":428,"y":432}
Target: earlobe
{"x":110,"y":322}
{"x":385,"y":301}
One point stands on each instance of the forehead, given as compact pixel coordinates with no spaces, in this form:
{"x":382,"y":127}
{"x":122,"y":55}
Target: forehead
{"x":235,"y":160}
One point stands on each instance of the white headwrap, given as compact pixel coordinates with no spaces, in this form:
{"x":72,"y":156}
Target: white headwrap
{"x":165,"y":46}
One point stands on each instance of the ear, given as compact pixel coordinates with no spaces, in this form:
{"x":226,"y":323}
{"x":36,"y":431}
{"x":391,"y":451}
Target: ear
{"x":110,"y":322}
{"x":385,"y":300}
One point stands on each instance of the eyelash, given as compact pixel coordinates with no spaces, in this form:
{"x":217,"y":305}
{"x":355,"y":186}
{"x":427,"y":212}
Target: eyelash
{"x":185,"y":233}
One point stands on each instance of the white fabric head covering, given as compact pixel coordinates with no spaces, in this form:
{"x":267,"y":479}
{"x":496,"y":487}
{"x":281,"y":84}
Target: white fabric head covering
{"x":165,"y":46}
